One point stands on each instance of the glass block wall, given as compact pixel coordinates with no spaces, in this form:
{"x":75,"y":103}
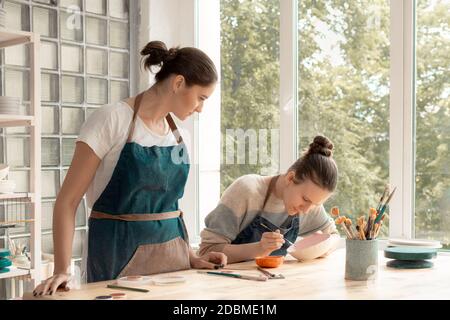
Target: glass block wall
{"x":85,"y":63}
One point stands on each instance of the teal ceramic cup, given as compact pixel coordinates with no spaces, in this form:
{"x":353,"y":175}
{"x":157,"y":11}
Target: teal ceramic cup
{"x":361,"y":259}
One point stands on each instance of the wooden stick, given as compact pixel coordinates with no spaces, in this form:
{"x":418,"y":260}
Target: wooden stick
{"x":348,"y":223}
{"x":339,"y":221}
{"x":361,"y":228}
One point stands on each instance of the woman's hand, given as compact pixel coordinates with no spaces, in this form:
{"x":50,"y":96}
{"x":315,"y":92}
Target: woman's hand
{"x":271,"y":241}
{"x":49,"y":286}
{"x":209,"y":260}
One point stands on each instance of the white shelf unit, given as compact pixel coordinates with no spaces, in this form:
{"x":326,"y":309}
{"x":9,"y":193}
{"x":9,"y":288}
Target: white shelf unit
{"x":33,"y":120}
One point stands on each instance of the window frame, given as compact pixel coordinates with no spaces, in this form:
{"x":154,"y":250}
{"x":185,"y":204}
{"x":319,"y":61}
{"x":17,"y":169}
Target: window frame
{"x":401,"y":107}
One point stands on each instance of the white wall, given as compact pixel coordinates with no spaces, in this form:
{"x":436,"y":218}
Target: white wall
{"x":177,"y":23}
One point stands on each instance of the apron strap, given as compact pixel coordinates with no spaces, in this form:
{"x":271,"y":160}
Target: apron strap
{"x":137,"y":105}
{"x":271,"y":188}
{"x":174,"y":128}
{"x":169,"y":119}
{"x":133,"y":217}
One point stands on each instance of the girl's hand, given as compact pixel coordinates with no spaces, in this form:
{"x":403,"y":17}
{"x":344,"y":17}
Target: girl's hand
{"x":209,"y":260}
{"x":49,"y":286}
{"x":271,"y":241}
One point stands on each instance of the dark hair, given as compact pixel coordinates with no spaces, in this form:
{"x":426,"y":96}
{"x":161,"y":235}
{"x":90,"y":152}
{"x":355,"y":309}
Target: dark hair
{"x":317,"y":164}
{"x":193,"y":64}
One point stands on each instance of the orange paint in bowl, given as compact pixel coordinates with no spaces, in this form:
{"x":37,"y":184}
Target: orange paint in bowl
{"x":269,"y":261}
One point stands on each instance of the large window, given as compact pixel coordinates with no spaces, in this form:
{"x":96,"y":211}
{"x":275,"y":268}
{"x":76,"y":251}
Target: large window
{"x":343,"y":84}
{"x":250,"y":88}
{"x":84,"y":64}
{"x":373,"y":76}
{"x":432,"y":165}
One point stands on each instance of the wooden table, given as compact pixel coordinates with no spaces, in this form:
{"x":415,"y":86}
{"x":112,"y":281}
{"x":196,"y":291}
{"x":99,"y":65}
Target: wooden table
{"x":318,"y":279}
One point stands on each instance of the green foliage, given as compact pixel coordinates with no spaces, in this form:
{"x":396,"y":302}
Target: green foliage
{"x":343,"y":94}
{"x":433,"y":121}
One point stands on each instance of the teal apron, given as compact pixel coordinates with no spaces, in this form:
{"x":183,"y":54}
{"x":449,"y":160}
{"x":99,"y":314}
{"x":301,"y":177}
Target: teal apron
{"x":254,"y":231}
{"x":136,"y":227}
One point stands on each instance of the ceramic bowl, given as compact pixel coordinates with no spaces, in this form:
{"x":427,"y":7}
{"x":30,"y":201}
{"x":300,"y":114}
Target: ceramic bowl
{"x":269,"y":261}
{"x":4,"y":170}
{"x":311,"y":247}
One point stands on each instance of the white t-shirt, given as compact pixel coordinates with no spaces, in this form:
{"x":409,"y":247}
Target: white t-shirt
{"x":106,"y":132}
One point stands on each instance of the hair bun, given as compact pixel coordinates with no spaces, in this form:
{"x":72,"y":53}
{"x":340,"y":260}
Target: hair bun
{"x":321,"y":145}
{"x":156,"y":53}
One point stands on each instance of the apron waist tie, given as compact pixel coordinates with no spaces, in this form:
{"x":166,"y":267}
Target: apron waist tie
{"x":137,"y":216}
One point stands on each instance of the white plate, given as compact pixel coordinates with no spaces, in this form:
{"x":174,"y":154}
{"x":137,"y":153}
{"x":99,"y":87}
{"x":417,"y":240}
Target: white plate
{"x":415,"y":243}
{"x":124,"y":281}
{"x":168,"y":280}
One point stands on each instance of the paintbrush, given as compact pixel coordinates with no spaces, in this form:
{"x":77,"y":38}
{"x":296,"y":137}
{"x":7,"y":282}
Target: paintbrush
{"x":361,"y":228}
{"x":383,"y":196}
{"x":376,"y":230}
{"x":112,"y":286}
{"x":270,"y":275}
{"x":379,"y":225}
{"x":383,"y":208}
{"x":340,"y":221}
{"x":235,"y":275}
{"x":263,"y":225}
{"x":335,"y":212}
{"x":359,"y":232}
{"x":370,"y":222}
{"x":348,"y":223}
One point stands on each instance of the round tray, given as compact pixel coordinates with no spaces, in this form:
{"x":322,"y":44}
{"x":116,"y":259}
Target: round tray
{"x":404,"y":264}
{"x":410,"y":254}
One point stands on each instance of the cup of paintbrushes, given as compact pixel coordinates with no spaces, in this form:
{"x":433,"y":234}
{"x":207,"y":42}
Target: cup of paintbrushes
{"x":361,"y":259}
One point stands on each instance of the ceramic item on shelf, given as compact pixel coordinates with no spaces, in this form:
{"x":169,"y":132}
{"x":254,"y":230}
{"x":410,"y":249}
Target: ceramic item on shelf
{"x":4,"y":253}
{"x":269,"y":261}
{"x":311,"y":247}
{"x":21,"y":261}
{"x":4,"y":263}
{"x":4,"y":170}
{"x":7,"y":186}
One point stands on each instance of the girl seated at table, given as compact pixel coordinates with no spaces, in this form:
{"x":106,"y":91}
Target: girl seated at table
{"x":290,"y":205}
